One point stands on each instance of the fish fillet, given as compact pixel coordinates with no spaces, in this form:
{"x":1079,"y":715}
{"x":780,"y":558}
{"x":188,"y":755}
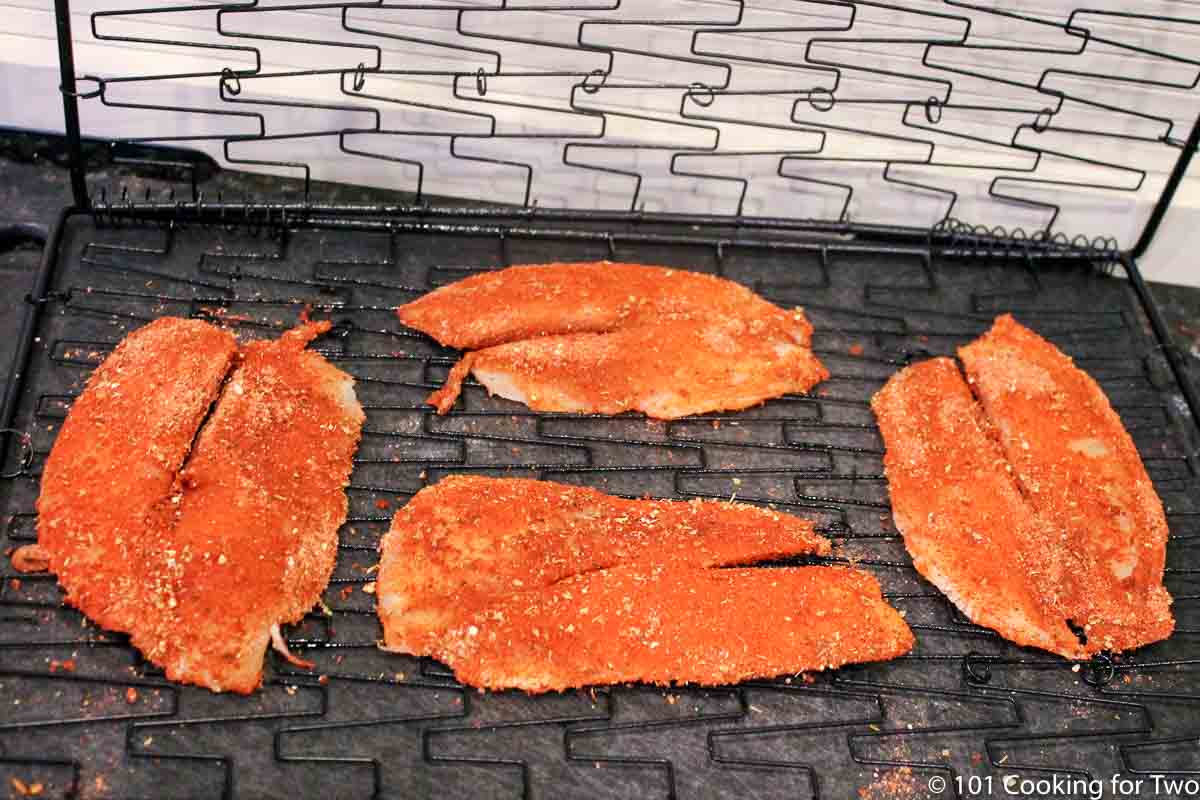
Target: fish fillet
{"x":608,"y":338}
{"x":1078,"y":467}
{"x":252,"y":539}
{"x":675,"y":624}
{"x":969,"y":530}
{"x":116,"y":457}
{"x":666,"y":370}
{"x":468,"y":540}
{"x":530,"y":301}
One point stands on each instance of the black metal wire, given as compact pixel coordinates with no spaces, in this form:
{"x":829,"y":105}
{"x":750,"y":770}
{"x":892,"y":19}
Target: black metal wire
{"x":1136,"y":91}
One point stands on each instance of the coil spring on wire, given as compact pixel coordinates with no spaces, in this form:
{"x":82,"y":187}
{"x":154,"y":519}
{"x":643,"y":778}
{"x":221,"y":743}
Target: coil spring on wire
{"x":981,"y":241}
{"x":247,"y":216}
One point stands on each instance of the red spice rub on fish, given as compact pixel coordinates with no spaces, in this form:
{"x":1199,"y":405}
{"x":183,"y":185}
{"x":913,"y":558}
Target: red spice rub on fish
{"x":530,"y":301}
{"x":251,"y":539}
{"x":115,"y":460}
{"x":468,"y":540}
{"x":1078,"y":467}
{"x":667,"y":370}
{"x":607,"y":338}
{"x":675,"y":624}
{"x":964,"y":521}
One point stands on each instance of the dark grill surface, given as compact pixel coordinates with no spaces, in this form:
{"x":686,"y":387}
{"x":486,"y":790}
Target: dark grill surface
{"x":80,"y":711}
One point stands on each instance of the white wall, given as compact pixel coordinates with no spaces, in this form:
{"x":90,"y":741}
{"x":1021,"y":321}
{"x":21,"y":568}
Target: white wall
{"x":759,"y":133}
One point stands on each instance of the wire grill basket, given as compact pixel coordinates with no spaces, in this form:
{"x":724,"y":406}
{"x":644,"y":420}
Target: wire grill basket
{"x":84,"y":716}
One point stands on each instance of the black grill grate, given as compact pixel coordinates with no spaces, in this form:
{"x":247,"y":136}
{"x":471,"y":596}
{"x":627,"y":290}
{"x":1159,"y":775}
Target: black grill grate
{"x":963,"y":704}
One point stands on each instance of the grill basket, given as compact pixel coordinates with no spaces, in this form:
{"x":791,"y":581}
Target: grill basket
{"x":822,"y":153}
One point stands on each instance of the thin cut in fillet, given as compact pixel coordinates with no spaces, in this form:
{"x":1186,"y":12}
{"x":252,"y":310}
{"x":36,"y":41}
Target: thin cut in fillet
{"x":253,"y":537}
{"x":666,"y":370}
{"x":675,"y":624}
{"x":964,"y":521}
{"x":115,"y":460}
{"x":530,"y":301}
{"x":1079,"y":469}
{"x":468,"y":540}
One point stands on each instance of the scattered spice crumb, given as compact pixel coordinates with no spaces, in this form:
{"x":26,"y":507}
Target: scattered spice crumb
{"x":382,"y":505}
{"x":66,"y":665}
{"x":15,"y":583}
{"x":323,"y":680}
{"x":856,"y":349}
{"x":893,"y":783}
{"x":27,"y":789}
{"x":131,"y":695}
{"x":31,"y":558}
{"x":976,"y":758}
{"x":346,"y":592}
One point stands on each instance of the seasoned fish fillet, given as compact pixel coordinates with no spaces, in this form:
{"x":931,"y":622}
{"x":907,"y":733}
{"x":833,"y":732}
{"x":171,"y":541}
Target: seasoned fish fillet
{"x":115,"y":460}
{"x":252,"y":537}
{"x":529,"y":301}
{"x":1079,"y":469}
{"x":969,"y":530}
{"x":675,"y":624}
{"x":468,"y":540}
{"x":607,"y":338}
{"x":666,"y":370}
